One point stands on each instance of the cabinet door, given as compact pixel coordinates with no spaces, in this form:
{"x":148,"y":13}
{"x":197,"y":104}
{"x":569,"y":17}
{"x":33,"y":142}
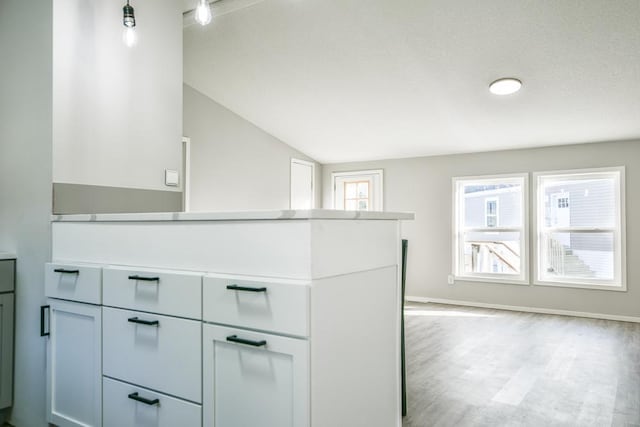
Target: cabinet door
{"x":6,"y":350}
{"x":254,"y":379}
{"x":74,"y":364}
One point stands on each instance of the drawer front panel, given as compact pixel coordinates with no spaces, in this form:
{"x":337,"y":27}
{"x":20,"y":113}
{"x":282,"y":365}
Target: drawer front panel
{"x":74,"y":282}
{"x":159,"y":352}
{"x":165,"y":292}
{"x":145,"y":407}
{"x":266,"y":305}
{"x":254,"y":379}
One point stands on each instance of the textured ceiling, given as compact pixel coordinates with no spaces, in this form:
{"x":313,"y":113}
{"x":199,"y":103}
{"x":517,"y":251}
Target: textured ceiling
{"x":345,"y":80}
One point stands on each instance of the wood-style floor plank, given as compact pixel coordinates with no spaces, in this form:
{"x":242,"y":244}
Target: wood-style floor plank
{"x":483,"y":367}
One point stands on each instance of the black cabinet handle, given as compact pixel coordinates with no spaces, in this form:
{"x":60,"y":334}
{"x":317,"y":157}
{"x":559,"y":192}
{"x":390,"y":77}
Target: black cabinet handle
{"x":144,"y":322}
{"x":137,"y":398}
{"x":245,"y":288}
{"x":43,"y":308}
{"x":65,"y":271}
{"x":144,"y":279}
{"x":235,"y":339}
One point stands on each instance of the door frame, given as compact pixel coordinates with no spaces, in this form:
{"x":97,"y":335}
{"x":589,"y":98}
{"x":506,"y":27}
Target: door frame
{"x":186,"y":174}
{"x":313,"y":180}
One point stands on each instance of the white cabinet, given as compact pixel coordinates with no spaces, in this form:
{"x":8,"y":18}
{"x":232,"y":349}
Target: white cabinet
{"x":283,"y":319}
{"x":254,"y":379}
{"x":74,"y":364}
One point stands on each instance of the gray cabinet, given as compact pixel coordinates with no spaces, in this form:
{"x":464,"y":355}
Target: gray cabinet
{"x":7,"y":286}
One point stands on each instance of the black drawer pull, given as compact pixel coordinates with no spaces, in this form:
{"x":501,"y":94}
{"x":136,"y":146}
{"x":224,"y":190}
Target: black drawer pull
{"x":144,"y":322}
{"x":144,"y":279}
{"x":234,"y":338}
{"x":144,"y":400}
{"x":245,"y":288}
{"x":65,"y":271}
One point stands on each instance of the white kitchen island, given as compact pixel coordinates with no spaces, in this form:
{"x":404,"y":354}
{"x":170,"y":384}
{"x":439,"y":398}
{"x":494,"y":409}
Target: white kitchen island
{"x":272,"y":319}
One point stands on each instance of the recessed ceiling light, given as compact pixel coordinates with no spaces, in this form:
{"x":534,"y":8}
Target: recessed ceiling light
{"x":505,"y":86}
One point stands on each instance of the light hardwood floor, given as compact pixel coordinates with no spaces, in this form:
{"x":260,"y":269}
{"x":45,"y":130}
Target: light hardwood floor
{"x":482,"y":367}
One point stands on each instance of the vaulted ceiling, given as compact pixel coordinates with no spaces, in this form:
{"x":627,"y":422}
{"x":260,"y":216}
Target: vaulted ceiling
{"x":345,"y":80}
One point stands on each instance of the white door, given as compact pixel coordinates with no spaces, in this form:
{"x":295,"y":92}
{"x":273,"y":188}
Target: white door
{"x":358,"y":190}
{"x":254,"y":379}
{"x":6,"y":350}
{"x":301,"y":184}
{"x":74,"y":364}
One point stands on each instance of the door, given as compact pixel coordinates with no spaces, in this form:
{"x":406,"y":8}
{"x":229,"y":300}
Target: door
{"x":254,"y":379}
{"x":302,"y":184}
{"x":74,"y":364}
{"x":358,"y":190}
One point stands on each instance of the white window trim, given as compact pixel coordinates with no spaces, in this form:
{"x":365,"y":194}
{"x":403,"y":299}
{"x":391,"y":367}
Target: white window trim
{"x":313,"y":180}
{"x":524,"y":243}
{"x":379,"y":191}
{"x":621,"y":243}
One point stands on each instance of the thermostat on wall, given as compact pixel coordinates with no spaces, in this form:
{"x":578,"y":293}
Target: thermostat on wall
{"x":171,"y":178}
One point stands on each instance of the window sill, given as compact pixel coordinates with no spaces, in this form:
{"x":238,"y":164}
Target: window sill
{"x":578,"y":285}
{"x":491,"y":280}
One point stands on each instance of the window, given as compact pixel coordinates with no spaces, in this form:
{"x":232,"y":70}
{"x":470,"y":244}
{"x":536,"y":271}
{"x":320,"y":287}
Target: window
{"x":491,"y":228}
{"x":491,"y":212}
{"x":357,"y":191}
{"x":580,"y":235}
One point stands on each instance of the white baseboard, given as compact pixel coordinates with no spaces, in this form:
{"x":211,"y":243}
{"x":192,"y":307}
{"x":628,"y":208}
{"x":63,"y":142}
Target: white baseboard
{"x":526,"y":309}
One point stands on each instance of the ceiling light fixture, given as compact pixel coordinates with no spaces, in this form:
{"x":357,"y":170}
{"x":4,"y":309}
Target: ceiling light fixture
{"x":203,"y":12}
{"x":505,"y":86}
{"x":129,"y":35}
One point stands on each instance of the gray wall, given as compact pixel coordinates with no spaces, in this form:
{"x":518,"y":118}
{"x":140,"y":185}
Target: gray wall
{"x":25,"y":186}
{"x":234,"y":164}
{"x":117,"y":111}
{"x":423,"y":185}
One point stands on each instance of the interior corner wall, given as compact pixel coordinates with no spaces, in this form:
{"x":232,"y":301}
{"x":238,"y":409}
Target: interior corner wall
{"x":25,"y":187}
{"x":117,"y":111}
{"x":234,"y":164}
{"x":424,"y":185}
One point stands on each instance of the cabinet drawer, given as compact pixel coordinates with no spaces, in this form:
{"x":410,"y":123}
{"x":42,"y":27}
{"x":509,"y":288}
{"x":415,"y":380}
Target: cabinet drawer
{"x":159,"y":352}
{"x":121,"y":409}
{"x":75,"y":282}
{"x":266,"y":304}
{"x":165,"y":292}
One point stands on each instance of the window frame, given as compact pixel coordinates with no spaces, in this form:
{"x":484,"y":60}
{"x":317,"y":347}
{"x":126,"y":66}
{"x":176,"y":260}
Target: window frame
{"x":619,"y":282}
{"x":458,"y":274}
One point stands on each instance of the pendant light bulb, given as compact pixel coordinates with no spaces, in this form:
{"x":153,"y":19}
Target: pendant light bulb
{"x":129,"y":35}
{"x":203,"y":12}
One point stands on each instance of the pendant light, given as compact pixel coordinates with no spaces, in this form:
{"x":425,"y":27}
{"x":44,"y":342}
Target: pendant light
{"x":129,"y":35}
{"x":203,"y":12}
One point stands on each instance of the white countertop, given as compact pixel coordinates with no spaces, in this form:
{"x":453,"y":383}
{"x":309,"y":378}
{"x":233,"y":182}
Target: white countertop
{"x":7,"y":255}
{"x":236,"y":216}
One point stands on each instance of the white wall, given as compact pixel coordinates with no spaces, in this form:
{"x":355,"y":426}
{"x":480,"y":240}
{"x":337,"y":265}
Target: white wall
{"x":423,"y":185}
{"x":234,"y":164}
{"x":25,"y":186}
{"x":117,"y":111}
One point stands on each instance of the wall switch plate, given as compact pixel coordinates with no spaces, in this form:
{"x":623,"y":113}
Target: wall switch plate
{"x":450,"y":279}
{"x":171,"y":178}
